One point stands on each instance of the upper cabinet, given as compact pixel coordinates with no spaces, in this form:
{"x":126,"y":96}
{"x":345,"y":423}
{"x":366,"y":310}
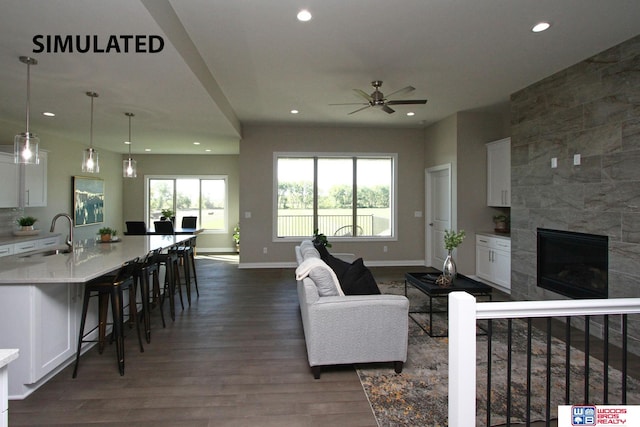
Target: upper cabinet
{"x":499,"y":173}
{"x":35,"y":182}
{"x":30,"y":181}
{"x":9,"y":176}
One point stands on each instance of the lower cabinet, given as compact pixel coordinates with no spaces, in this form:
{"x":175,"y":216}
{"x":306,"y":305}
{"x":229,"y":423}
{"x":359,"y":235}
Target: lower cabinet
{"x":42,"y":321}
{"x":493,"y":260}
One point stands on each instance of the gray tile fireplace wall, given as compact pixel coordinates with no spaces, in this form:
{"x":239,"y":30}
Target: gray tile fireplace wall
{"x":591,"y":109}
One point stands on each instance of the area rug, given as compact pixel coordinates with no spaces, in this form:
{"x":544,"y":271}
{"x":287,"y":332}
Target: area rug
{"x":418,"y":396}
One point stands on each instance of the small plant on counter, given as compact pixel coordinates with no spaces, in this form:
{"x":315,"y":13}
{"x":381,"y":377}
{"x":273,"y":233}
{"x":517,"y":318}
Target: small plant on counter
{"x":501,"y":222}
{"x":26,"y":221}
{"x":106,"y":233}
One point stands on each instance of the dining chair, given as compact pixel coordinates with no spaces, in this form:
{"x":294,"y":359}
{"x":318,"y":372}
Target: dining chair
{"x":136,"y":228}
{"x":189,"y":222}
{"x":163,"y":227}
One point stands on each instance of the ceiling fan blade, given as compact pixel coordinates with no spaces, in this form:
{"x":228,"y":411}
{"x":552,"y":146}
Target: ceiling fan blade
{"x":352,"y":103}
{"x":402,"y":91}
{"x":360,"y":109}
{"x":388,"y":109}
{"x":363,"y":94}
{"x":407,"y":101}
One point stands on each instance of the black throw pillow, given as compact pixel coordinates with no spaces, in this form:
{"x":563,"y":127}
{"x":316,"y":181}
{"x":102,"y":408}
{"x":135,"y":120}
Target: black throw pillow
{"x":337,"y":265}
{"x":358,"y":280}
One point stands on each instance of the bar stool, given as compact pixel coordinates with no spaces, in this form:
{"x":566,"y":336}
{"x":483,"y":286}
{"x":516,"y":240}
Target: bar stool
{"x":170,"y":261}
{"x":110,"y":287}
{"x":147,"y":275}
{"x":187,"y":260}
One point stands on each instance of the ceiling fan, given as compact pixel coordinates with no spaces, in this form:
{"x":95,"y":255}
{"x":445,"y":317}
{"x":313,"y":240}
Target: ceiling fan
{"x":377,"y":98}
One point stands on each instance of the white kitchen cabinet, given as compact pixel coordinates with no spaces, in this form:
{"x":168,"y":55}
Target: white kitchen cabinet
{"x":28,"y":180}
{"x":493,"y":260}
{"x":9,"y":177}
{"x":499,"y":173}
{"x":35,"y":182}
{"x":22,"y":247}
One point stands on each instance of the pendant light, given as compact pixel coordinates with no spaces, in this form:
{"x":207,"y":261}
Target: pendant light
{"x":129,"y":165}
{"x":25,"y":145}
{"x":90,"y":155}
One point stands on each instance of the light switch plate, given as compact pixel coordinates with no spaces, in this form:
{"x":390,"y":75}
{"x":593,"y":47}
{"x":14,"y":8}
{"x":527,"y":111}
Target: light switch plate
{"x":576,"y":159}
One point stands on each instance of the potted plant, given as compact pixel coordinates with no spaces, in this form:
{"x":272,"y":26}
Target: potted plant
{"x":236,"y":237}
{"x":26,"y":222}
{"x":451,"y":241}
{"x":106,"y":234}
{"x":168,"y":214}
{"x":320,"y":239}
{"x":501,"y":223}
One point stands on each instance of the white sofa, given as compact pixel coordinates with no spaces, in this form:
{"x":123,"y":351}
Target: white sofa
{"x":351,"y":329}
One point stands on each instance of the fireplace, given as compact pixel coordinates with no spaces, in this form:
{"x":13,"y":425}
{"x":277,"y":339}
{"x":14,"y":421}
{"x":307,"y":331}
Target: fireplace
{"x":573,"y":264}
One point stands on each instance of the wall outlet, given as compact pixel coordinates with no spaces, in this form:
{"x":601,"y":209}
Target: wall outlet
{"x":265,"y":250}
{"x":384,"y":249}
{"x":577,"y":160}
{"x":247,"y":214}
{"x":554,"y":162}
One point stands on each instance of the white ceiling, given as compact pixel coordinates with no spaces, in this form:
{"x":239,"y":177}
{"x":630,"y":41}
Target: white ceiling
{"x":226,"y":63}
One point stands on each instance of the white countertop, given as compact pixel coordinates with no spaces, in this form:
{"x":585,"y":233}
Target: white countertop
{"x":89,"y":260}
{"x":10,"y":238}
{"x":495,"y":234}
{"x":8,"y":355}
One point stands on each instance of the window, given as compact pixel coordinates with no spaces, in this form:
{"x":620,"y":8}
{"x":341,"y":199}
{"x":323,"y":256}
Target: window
{"x":204,"y":197}
{"x":341,"y":196}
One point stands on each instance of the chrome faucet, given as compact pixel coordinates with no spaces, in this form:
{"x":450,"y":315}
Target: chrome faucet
{"x":69,"y":241}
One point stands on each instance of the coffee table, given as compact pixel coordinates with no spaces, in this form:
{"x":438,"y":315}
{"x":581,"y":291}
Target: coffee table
{"x":425,"y":283}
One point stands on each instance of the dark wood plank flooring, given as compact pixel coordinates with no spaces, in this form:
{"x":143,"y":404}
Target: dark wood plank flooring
{"x":236,"y":357}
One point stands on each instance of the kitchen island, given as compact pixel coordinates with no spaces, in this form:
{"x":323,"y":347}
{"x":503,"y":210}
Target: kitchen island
{"x":41,"y":303}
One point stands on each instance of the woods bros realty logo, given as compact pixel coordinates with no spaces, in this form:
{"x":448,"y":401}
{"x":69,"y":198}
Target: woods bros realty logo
{"x":123,"y":43}
{"x":598,"y":415}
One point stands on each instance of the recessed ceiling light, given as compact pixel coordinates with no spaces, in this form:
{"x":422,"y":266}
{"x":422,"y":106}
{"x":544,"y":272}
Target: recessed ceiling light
{"x":411,"y":113}
{"x":304,"y":15}
{"x":294,"y":111}
{"x":127,"y":142}
{"x":49,"y":114}
{"x":208,"y":150}
{"x":196,"y":143}
{"x":540,"y":27}
{"x":147,"y":149}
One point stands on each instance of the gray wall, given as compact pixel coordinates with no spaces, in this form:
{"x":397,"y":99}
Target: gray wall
{"x":591,"y":109}
{"x":256,"y":184}
{"x":460,"y":140}
{"x":176,"y":165}
{"x":64,"y":161}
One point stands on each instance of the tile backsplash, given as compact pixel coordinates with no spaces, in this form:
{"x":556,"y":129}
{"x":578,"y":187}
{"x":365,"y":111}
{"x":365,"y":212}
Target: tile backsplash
{"x":8,"y":217}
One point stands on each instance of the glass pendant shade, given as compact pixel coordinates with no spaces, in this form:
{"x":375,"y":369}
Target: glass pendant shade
{"x":129,"y":169}
{"x":90,"y":162}
{"x":25,"y":145}
{"x":25,"y":148}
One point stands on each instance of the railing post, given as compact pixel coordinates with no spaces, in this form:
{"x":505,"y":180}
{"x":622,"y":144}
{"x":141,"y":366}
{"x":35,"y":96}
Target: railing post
{"x":462,"y":360}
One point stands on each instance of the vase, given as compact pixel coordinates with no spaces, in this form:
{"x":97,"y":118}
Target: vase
{"x":449,"y":269}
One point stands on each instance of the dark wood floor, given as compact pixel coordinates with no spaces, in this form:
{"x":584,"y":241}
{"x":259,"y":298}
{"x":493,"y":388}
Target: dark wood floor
{"x":235,"y":358}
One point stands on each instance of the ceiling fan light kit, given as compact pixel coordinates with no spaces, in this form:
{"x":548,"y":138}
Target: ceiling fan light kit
{"x":378,"y":99}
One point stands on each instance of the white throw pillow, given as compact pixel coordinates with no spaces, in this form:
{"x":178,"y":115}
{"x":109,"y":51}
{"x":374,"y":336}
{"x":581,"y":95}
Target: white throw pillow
{"x":322,"y":275}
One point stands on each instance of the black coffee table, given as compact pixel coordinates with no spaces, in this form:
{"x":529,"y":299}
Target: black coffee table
{"x":425,"y":283}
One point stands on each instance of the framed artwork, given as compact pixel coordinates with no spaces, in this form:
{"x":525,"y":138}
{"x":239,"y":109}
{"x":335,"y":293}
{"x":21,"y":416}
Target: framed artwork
{"x":88,"y":201}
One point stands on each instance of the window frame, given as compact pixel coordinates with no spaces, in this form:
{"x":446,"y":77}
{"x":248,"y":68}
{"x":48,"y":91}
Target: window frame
{"x":174,"y":178}
{"x":320,"y":155}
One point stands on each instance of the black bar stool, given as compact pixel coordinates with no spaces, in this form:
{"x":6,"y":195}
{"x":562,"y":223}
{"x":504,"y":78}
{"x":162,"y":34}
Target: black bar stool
{"x":110,"y":287}
{"x":187,"y":260}
{"x":147,"y":275}
{"x":170,"y":262}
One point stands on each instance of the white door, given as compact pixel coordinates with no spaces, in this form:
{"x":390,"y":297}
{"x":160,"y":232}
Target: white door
{"x":438,"y":200}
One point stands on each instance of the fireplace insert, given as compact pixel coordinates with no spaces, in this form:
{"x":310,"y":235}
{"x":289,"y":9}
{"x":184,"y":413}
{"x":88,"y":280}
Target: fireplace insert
{"x":573,"y":264}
